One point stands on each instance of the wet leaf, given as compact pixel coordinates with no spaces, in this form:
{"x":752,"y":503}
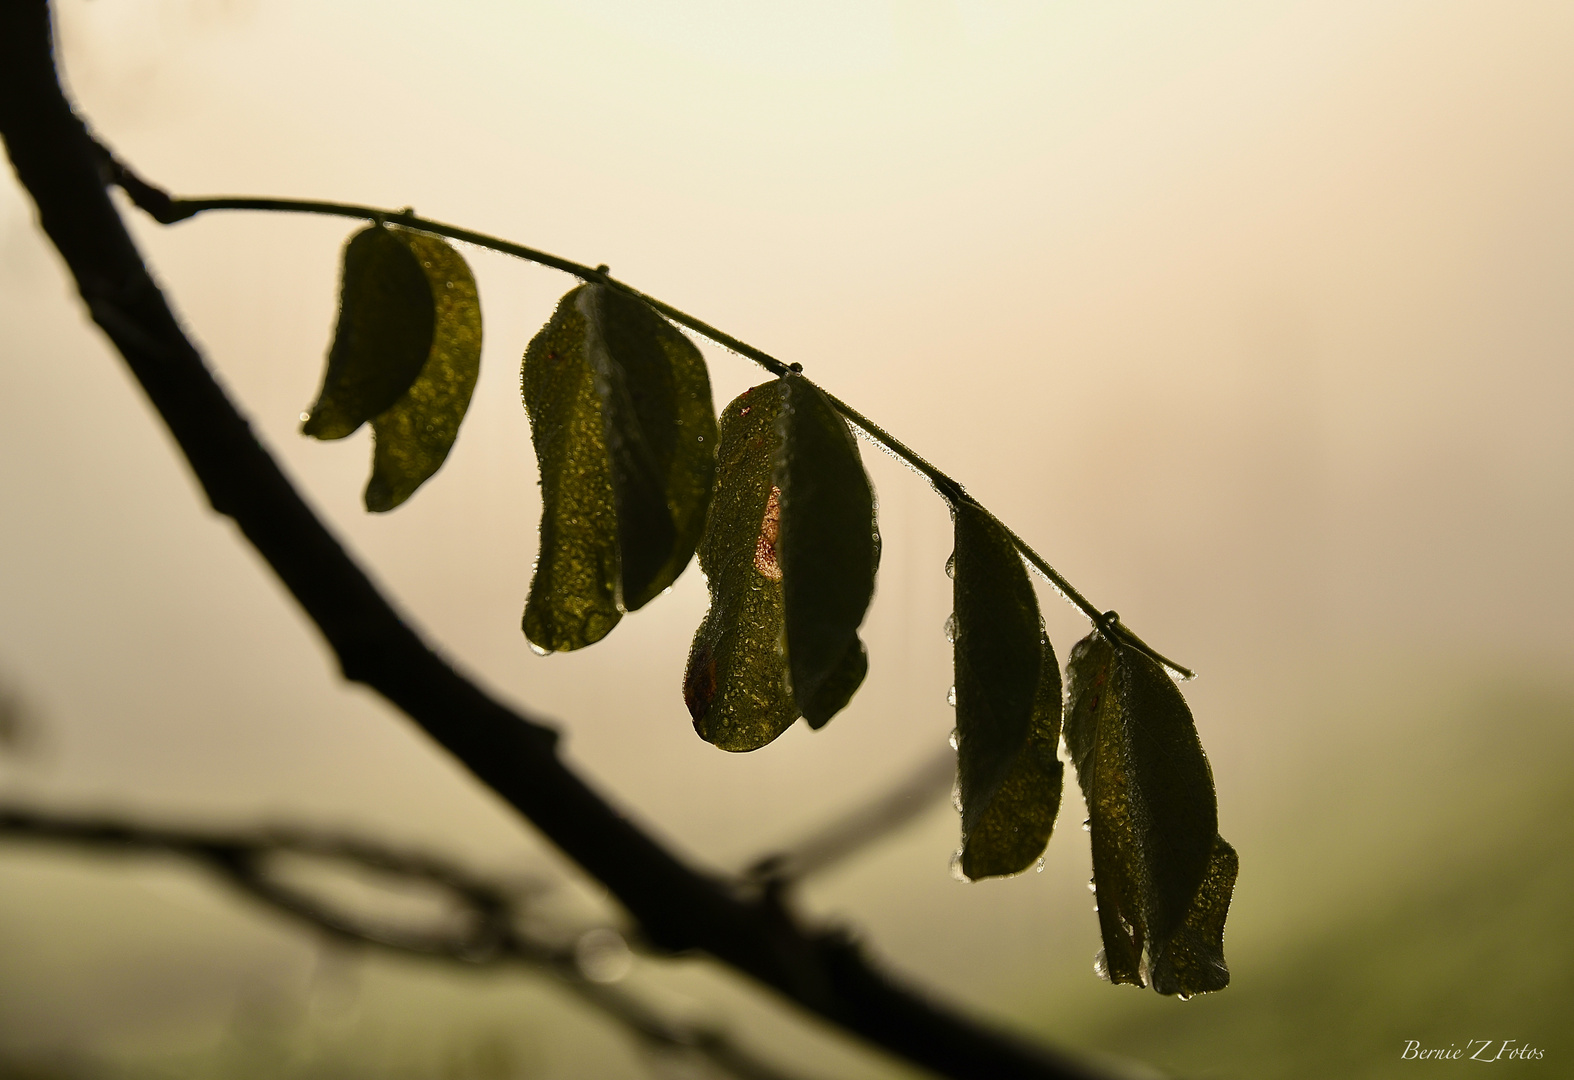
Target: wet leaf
{"x":736,"y":684}
{"x":1192,"y":961}
{"x":621,"y":418}
{"x":384,"y":336}
{"x":573,"y":593}
{"x":1008,"y":708}
{"x":1149,"y":791}
{"x":660,"y":434}
{"x":414,"y":435}
{"x":789,"y":554}
{"x":838,"y":686}
{"x":829,"y":549}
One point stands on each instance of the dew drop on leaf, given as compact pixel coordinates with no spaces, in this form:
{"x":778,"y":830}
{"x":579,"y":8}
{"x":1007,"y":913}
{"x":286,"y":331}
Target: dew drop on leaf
{"x":1101,"y":965}
{"x":602,"y":955}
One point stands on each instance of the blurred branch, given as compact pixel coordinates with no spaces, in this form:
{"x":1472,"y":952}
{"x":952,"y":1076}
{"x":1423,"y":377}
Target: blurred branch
{"x":678,"y":907}
{"x":865,"y":824}
{"x":489,"y":935}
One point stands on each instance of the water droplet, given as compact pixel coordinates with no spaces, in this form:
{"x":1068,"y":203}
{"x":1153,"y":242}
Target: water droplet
{"x":950,"y":566}
{"x":953,"y":739}
{"x":1093,"y":886}
{"x":602,"y":955}
{"x":305,"y":416}
{"x":538,"y":650}
{"x":1038,"y":867}
{"x":1101,"y":965}
{"x":1087,"y":824}
{"x":950,"y":697}
{"x":950,"y":628}
{"x":956,"y":867}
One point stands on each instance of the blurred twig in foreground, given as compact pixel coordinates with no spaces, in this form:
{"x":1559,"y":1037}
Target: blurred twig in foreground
{"x":487,"y":932}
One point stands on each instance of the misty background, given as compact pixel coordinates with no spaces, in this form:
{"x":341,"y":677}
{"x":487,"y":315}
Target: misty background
{"x":1255,"y":319}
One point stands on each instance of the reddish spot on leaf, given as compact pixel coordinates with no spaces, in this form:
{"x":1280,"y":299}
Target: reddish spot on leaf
{"x":770,"y":529}
{"x":699,"y":685}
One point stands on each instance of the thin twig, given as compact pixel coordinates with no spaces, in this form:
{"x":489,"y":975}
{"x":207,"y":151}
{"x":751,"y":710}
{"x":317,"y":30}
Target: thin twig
{"x":677,"y":907}
{"x":867,"y":823}
{"x":490,"y":937}
{"x":168,"y":210}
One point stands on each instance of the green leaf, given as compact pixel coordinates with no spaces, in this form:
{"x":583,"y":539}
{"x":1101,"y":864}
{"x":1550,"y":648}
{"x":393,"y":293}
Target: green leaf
{"x":660,"y":434}
{"x":830,"y":549}
{"x":414,"y":435}
{"x":622,"y":422}
{"x":736,"y":684}
{"x":1192,"y":961}
{"x":573,"y":593}
{"x":789,"y":554}
{"x":1007,"y":702}
{"x":1153,"y":815}
{"x":384,"y":336}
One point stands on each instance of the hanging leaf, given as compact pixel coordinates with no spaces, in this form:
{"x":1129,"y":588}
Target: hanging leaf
{"x":1153,"y":815}
{"x":624,"y":433}
{"x":736,"y":684}
{"x":1007,"y":702}
{"x":384,"y":336}
{"x":829,"y":549}
{"x":789,"y":554}
{"x":661,"y":435}
{"x":573,"y":593}
{"x":414,"y":435}
{"x":1192,"y":961}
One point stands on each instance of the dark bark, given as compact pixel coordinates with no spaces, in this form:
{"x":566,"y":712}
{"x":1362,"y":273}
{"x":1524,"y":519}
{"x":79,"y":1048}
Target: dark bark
{"x":677,"y":907}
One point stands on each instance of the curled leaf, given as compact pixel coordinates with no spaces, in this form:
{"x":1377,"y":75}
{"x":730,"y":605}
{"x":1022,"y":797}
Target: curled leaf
{"x":384,"y":335}
{"x":415,"y":433}
{"x":789,"y":554}
{"x":624,"y":433}
{"x":1153,"y":815}
{"x":573,"y":593}
{"x":736,"y":684}
{"x":1008,"y":709}
{"x":1192,"y":960}
{"x":660,"y":434}
{"x":829,"y":549}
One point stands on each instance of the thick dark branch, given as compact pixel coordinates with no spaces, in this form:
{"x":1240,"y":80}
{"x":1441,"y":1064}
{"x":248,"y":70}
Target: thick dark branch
{"x":677,"y":907}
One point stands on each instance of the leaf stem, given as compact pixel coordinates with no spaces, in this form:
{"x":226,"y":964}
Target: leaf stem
{"x":170,"y":210}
